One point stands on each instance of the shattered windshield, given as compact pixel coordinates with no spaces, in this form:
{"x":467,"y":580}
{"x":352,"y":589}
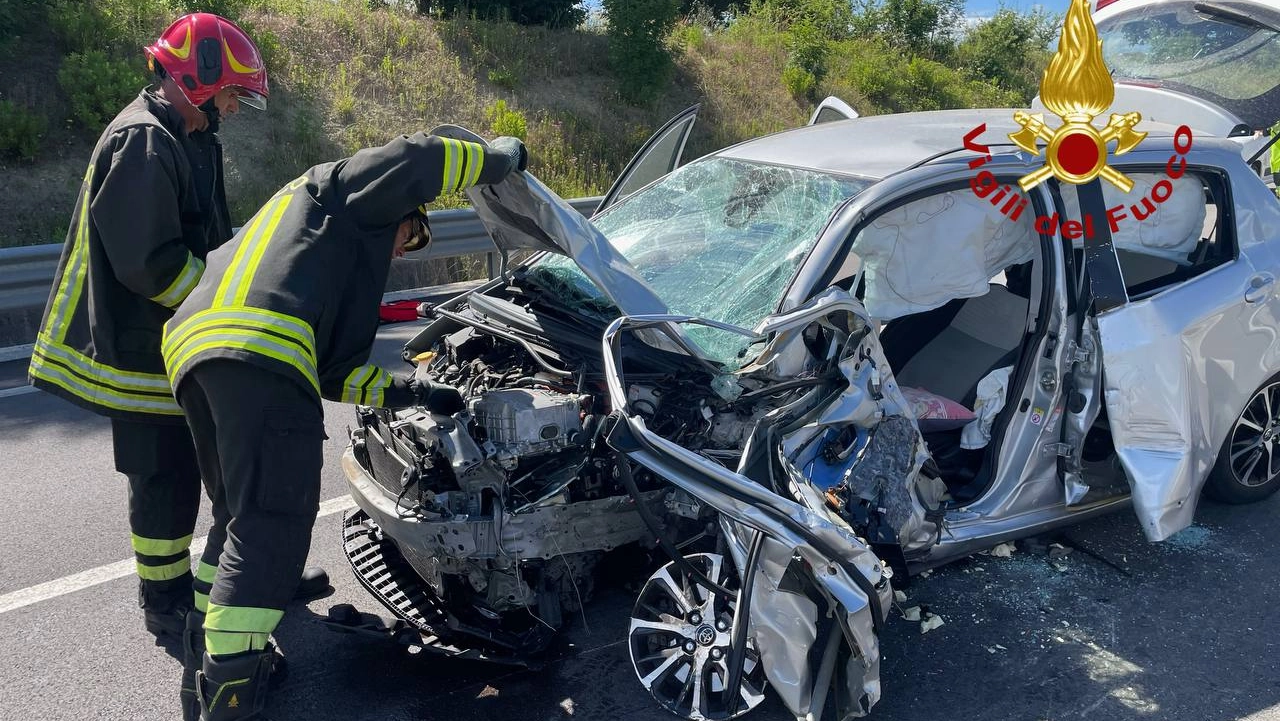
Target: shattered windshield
{"x":716,"y":239}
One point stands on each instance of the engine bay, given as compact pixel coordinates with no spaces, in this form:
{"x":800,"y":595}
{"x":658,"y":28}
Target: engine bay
{"x":507,"y":510}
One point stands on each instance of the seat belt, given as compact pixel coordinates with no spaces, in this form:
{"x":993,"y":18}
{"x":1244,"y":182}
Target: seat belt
{"x":1101,"y":287}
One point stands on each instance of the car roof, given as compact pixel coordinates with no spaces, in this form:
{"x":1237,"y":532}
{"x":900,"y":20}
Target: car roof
{"x":877,"y":146}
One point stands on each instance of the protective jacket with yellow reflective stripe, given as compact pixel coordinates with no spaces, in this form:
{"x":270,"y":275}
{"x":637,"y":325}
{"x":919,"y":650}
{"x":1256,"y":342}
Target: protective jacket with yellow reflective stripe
{"x":150,"y":208}
{"x":297,"y":290}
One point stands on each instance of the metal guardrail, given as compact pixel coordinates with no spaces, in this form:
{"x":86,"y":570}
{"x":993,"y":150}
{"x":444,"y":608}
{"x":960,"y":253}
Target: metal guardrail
{"x":26,"y":274}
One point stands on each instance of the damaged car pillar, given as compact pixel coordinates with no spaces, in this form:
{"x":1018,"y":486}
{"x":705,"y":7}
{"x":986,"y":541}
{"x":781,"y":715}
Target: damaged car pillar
{"x":797,"y":514}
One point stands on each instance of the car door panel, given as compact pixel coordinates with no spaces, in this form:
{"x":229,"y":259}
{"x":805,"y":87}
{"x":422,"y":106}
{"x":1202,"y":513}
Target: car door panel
{"x":831,"y":109}
{"x":659,"y":155}
{"x":1178,"y":367}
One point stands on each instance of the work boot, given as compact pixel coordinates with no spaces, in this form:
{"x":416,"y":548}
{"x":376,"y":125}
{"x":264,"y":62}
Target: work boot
{"x":192,"y":657}
{"x":232,"y":688}
{"x":313,"y":584}
{"x":165,"y":605}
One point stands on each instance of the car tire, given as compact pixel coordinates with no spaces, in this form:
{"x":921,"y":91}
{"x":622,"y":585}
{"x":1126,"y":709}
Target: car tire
{"x":1248,"y":465}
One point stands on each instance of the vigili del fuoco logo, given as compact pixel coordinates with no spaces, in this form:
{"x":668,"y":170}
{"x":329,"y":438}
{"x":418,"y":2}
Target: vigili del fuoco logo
{"x":1077,"y":87}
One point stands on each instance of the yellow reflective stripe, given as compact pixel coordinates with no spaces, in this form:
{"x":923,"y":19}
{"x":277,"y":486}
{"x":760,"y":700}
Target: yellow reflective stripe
{"x":160,"y":546}
{"x":248,"y":317}
{"x":225,"y":643}
{"x":121,"y":379}
{"x":353,"y":385}
{"x":182,"y":285}
{"x":72,"y":283}
{"x":242,"y":619}
{"x":366,"y":385}
{"x":202,"y":602}
{"x":167,"y":572}
{"x":451,"y":159}
{"x":260,"y":247}
{"x":206,"y":572}
{"x":375,"y":392}
{"x":233,"y":61}
{"x":248,"y":236}
{"x":241,"y":339}
{"x":100,"y":395}
{"x":475,"y":166}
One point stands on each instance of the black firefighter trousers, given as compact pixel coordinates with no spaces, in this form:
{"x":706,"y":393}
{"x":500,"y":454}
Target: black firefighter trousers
{"x":259,"y":438}
{"x":164,"y":498}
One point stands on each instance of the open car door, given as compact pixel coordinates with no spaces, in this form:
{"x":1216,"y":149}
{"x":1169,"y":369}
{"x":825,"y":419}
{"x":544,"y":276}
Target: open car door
{"x":832,"y":109}
{"x":659,"y":155}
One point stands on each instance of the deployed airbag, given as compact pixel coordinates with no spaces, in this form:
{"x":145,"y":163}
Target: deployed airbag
{"x":920,"y":255}
{"x":1172,"y":229}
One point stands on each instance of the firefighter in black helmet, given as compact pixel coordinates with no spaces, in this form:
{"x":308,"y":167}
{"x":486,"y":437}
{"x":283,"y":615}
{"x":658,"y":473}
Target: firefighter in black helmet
{"x":151,"y":205}
{"x":285,"y":315}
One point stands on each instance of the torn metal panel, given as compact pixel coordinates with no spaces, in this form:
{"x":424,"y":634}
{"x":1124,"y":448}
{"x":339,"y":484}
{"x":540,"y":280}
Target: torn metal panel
{"x":881,"y":462}
{"x":783,"y":618}
{"x":790,"y":607}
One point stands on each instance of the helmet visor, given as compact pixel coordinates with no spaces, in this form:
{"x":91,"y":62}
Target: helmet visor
{"x":250,"y":98}
{"x":419,"y":234}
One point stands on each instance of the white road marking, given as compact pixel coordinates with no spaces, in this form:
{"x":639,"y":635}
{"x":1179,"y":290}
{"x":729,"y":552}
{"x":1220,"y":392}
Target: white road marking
{"x":119,"y":569}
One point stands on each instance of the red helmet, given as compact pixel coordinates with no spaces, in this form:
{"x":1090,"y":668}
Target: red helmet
{"x":206,"y":53}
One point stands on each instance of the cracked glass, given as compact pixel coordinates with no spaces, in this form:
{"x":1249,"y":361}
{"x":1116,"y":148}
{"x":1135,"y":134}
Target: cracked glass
{"x":717,"y":239}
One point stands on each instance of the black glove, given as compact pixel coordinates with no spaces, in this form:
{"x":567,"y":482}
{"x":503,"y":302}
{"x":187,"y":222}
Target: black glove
{"x":515,"y":151}
{"x":437,"y":397}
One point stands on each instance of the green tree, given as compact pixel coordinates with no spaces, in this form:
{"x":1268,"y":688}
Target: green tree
{"x":552,"y":13}
{"x":922,"y":27}
{"x":638,"y":55}
{"x":832,"y":18}
{"x":1011,"y":50}
{"x":716,"y":8}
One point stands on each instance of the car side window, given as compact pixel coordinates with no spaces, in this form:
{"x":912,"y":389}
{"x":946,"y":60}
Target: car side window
{"x":1162,"y":244}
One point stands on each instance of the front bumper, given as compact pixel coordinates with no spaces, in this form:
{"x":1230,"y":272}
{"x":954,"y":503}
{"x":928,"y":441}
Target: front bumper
{"x":382,"y":568}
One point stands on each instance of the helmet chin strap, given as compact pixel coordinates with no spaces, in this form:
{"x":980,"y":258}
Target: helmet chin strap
{"x":211,"y":111}
{"x":190,"y":113}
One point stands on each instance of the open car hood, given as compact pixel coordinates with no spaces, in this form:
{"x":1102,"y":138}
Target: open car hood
{"x":521,"y":213}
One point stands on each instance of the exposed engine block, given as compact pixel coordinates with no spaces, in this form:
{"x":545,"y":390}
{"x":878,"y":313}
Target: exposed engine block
{"x":525,"y":422}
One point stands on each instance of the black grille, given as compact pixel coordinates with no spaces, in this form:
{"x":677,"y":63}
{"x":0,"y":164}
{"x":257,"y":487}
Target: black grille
{"x":384,"y":572}
{"x":386,"y":468}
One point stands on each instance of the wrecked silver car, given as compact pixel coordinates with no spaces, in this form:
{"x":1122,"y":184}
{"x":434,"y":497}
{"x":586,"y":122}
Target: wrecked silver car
{"x":833,"y":357}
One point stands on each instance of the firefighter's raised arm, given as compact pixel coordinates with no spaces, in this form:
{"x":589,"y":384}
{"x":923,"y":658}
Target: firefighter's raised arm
{"x":380,"y":186}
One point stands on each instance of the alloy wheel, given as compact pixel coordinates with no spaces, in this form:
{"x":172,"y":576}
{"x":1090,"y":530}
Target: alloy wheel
{"x":680,"y":639}
{"x":1255,"y":458}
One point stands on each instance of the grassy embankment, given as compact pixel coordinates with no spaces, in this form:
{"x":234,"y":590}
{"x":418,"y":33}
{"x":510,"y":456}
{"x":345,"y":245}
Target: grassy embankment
{"x":345,"y":77}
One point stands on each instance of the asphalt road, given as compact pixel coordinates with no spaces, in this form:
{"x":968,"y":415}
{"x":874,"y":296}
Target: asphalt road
{"x":1117,"y":629}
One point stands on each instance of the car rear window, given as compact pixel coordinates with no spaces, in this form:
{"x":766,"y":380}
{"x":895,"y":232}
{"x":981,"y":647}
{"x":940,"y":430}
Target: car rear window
{"x":1216,"y":48}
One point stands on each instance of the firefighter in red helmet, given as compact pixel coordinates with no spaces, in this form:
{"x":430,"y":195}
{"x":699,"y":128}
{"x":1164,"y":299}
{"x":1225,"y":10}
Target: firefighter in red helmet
{"x":151,"y":206}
